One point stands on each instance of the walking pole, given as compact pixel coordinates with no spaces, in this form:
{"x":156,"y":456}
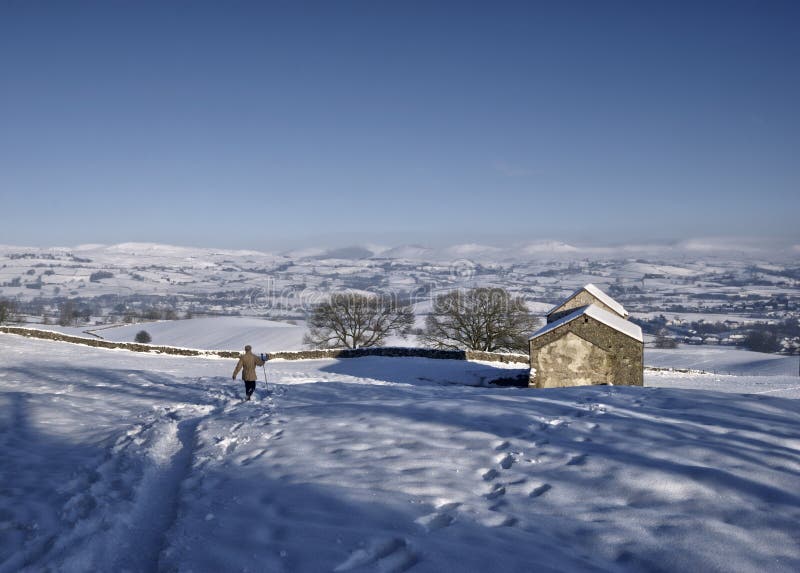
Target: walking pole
{"x":264,"y":358}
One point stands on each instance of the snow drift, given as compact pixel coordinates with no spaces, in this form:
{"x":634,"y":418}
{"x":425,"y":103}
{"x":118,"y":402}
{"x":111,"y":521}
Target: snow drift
{"x":117,"y":461}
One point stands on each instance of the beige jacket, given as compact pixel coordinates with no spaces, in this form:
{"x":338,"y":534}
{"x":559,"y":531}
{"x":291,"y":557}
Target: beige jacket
{"x":248,"y":361}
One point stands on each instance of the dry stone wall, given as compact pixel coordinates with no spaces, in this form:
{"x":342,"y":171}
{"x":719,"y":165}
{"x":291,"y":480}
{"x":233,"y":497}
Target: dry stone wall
{"x":472,"y":355}
{"x":99,"y":343}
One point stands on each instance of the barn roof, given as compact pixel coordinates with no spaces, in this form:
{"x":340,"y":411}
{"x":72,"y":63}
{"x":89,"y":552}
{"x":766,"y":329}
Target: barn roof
{"x":608,"y":318}
{"x":599,"y":295}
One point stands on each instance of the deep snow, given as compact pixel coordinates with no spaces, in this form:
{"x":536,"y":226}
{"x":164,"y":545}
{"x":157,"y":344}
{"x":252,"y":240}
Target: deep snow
{"x":115,"y":461}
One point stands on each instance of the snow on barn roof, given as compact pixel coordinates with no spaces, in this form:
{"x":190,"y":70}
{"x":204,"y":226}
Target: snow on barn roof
{"x":599,"y":295}
{"x":600,"y":315}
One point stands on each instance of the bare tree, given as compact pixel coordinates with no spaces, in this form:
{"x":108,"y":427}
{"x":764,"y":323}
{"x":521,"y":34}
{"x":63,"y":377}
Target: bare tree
{"x":68,"y":314}
{"x":152,"y":314}
{"x":6,"y":311}
{"x":488,"y":319}
{"x":664,"y":340}
{"x":353,"y":320}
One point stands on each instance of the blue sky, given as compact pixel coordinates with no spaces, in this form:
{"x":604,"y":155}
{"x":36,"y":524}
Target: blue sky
{"x":272,"y":124}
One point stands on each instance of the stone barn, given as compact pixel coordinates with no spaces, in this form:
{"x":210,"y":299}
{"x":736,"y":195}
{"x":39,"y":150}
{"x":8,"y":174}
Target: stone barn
{"x":587,"y":340}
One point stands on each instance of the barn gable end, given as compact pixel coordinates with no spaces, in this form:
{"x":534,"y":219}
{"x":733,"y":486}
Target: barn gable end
{"x":585,"y":296}
{"x":571,"y":361}
{"x":587,"y":346}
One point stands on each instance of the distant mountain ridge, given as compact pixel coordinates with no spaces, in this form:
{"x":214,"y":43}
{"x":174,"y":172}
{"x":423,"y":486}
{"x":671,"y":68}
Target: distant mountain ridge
{"x":751,"y":247}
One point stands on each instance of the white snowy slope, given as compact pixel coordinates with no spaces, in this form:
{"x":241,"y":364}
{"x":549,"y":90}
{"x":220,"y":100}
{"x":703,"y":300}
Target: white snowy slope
{"x":116,"y":461}
{"x":213,"y":333}
{"x":723,"y":360}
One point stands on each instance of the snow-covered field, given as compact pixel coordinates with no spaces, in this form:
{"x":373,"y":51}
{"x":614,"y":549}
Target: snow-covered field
{"x":723,"y":360}
{"x":214,"y":333}
{"x":116,"y":461}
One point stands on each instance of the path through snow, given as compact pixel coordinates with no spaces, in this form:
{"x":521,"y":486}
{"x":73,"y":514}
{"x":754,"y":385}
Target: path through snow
{"x":126,"y":462}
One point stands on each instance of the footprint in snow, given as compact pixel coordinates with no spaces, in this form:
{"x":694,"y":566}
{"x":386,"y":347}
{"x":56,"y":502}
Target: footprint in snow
{"x":442,"y":517}
{"x":578,"y":460}
{"x":553,"y":424}
{"x":229,"y":444}
{"x":391,"y":555}
{"x":248,"y":459}
{"x":497,"y":491}
{"x":505,"y":461}
{"x":501,"y":445}
{"x":540,"y":489}
{"x":498,"y":505}
{"x":488,"y":475}
{"x":448,"y":506}
{"x":499,"y":520}
{"x":434,"y":521}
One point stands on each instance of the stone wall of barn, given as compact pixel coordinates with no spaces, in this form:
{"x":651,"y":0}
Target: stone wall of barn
{"x":585,"y":352}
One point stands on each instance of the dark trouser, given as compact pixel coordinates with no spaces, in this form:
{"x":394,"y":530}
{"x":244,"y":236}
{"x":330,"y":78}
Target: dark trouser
{"x":249,"y":388}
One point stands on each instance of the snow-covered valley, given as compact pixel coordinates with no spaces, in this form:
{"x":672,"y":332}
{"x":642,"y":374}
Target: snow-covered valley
{"x":703,"y":293}
{"x":118,"y":461}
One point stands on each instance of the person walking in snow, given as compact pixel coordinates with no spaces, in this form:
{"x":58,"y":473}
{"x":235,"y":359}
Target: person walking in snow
{"x":247,"y":364}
